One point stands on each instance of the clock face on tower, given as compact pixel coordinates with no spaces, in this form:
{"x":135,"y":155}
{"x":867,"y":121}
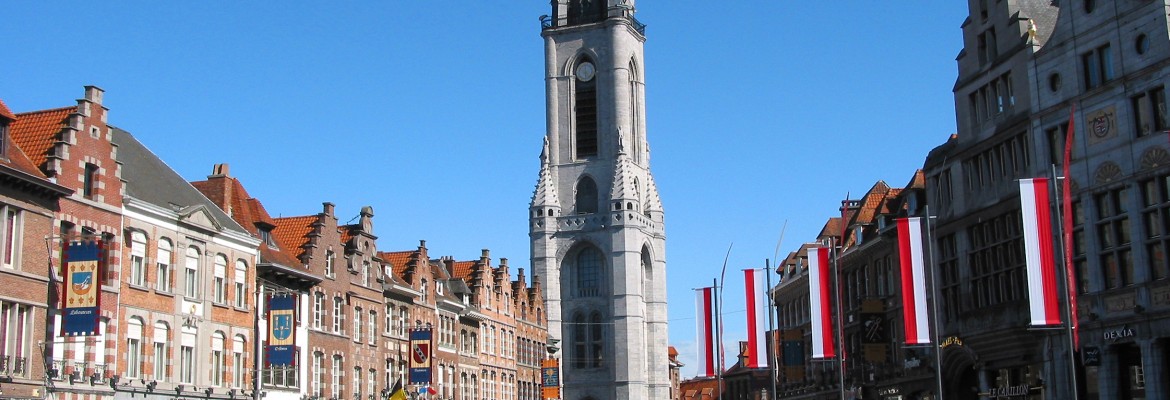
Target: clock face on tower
{"x":585,"y":71}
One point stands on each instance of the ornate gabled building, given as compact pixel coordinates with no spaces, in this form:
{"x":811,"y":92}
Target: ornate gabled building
{"x":596,"y":220}
{"x":187,"y":293}
{"x":278,"y":274}
{"x":28,"y":203}
{"x":73,"y":147}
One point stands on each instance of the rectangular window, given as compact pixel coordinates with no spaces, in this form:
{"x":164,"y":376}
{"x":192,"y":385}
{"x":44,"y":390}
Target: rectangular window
{"x":318,"y":300}
{"x":1149,"y":111}
{"x":14,"y":343}
{"x":217,"y":367}
{"x":337,"y":317}
{"x":160,"y":360}
{"x":133,"y":362}
{"x":1098,"y":66}
{"x":219,"y":289}
{"x":335,"y":383}
{"x":318,"y":359}
{"x":237,"y":369}
{"x":12,"y":233}
{"x":162,"y":279}
{"x":373,"y":321}
{"x":186,"y":364}
{"x":329,"y":260}
{"x":357,"y":325}
{"x":1156,"y":218}
{"x":1113,"y":237}
{"x":89,"y":181}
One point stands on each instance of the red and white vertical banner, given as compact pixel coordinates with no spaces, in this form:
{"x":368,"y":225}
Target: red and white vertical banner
{"x":707,"y":338}
{"x":1038,"y":255}
{"x":913,"y":271}
{"x":757,"y":311}
{"x":820,"y":307}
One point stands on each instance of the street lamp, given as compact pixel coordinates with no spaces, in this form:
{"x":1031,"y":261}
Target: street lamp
{"x":551,"y":346}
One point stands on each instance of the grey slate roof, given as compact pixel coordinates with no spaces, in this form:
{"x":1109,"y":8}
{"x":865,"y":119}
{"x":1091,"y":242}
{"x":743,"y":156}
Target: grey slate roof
{"x":151,"y":180}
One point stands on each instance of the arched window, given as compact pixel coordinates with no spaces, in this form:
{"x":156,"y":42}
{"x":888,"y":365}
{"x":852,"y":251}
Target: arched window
{"x":588,"y":337}
{"x":163,"y":275}
{"x":160,"y":352}
{"x":219,"y":279}
{"x":191,"y":273}
{"x":585,"y":108}
{"x":241,"y":282}
{"x":137,"y":258}
{"x":238,"y":343}
{"x":217,"y":359}
{"x":647,"y":275}
{"x":588,"y":265}
{"x":134,"y":347}
{"x":586,"y":196}
{"x":595,"y":340}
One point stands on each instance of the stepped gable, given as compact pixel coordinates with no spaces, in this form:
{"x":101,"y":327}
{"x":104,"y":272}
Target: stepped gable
{"x":36,"y":131}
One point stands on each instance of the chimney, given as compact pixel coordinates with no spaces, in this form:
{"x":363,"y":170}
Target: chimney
{"x":94,"y":94}
{"x":219,"y":188}
{"x":484,"y":256}
{"x":219,"y":170}
{"x":327,"y":208}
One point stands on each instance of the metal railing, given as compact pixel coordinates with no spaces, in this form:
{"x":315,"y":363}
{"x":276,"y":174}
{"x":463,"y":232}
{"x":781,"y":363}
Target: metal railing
{"x":551,"y":22}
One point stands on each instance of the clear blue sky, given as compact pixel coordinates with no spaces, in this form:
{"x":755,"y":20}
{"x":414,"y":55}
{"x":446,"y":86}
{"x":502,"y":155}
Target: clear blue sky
{"x":432,"y":112}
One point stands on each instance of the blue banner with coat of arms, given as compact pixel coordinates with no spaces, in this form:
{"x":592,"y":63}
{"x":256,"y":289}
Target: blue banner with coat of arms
{"x":282,"y":322}
{"x":81,"y":300}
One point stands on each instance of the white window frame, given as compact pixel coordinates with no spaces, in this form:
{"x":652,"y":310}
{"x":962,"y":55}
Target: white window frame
{"x":137,"y":258}
{"x":163,"y":269}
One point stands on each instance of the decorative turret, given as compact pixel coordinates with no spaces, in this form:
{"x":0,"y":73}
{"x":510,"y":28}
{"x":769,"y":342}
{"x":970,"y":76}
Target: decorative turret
{"x":545,"y":202}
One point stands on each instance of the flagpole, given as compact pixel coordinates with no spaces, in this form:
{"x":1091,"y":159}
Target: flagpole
{"x":1070,"y":326}
{"x":718,"y":337}
{"x":840,"y":334}
{"x":934,"y":307}
{"x":771,"y":331}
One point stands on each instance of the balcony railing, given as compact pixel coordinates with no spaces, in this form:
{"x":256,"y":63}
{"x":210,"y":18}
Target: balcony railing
{"x":550,"y":22}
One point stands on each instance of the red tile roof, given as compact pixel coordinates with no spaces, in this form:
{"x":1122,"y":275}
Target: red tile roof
{"x":345,"y":234}
{"x":293,"y":232}
{"x":463,"y":269}
{"x":5,"y":112}
{"x":36,"y":131}
{"x":398,"y":260}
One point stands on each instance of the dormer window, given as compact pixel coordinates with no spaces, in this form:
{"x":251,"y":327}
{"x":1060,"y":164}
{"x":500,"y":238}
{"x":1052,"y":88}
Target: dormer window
{"x":266,"y":236}
{"x":438,"y":288}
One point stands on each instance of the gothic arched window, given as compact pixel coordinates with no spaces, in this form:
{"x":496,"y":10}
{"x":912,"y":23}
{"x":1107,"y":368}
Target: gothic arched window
{"x":585,"y":109}
{"x":588,"y":265}
{"x":595,"y":340}
{"x":586,"y":197}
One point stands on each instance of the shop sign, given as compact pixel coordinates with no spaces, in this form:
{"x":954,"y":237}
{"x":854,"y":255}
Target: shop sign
{"x":1091,"y":356}
{"x":1119,"y":333}
{"x":1009,"y":391}
{"x":951,"y":341}
{"x":890,"y":391}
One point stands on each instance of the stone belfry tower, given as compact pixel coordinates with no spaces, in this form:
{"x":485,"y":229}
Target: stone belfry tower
{"x":596,"y":221}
